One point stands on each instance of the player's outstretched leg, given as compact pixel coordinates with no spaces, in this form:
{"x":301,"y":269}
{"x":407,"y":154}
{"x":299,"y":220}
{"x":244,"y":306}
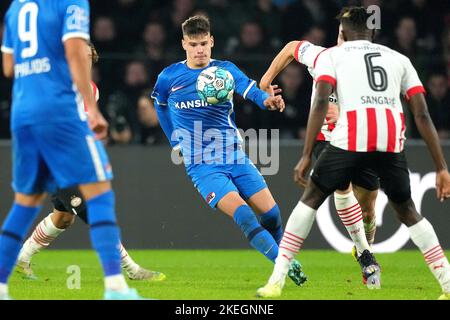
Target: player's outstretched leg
{"x":271,"y":221}
{"x":105,"y":237}
{"x":424,"y":237}
{"x":350,"y":213}
{"x":44,"y":233}
{"x":296,"y":231}
{"x":13,"y":231}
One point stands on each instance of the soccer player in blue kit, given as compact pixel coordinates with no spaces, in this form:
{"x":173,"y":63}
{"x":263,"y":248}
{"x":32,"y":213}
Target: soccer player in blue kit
{"x":226,"y":178}
{"x":44,"y":49}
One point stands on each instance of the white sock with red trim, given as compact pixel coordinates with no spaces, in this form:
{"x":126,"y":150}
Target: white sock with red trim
{"x":297,"y":229}
{"x":126,"y":262}
{"x":350,"y":213}
{"x":424,"y":237}
{"x":44,"y":233}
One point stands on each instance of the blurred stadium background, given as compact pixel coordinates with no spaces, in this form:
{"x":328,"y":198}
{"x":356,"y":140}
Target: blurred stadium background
{"x":157,"y":205}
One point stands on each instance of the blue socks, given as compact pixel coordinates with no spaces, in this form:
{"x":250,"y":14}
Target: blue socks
{"x":259,"y":238}
{"x":105,"y":234}
{"x":13,"y":232}
{"x":271,"y":221}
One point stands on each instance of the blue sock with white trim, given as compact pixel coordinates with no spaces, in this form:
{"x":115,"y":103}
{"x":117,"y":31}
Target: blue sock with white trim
{"x":13,"y":232}
{"x":271,"y":221}
{"x":105,"y":234}
{"x":259,"y":238}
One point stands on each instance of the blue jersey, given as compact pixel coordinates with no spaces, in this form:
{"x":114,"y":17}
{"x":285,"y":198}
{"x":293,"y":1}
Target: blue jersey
{"x":206,"y":133}
{"x":35,"y":31}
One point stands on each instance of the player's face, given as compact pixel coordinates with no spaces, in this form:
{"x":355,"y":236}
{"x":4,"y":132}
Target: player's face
{"x":198,"y":49}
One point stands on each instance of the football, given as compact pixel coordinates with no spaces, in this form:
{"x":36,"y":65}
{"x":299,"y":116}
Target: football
{"x":215,"y":85}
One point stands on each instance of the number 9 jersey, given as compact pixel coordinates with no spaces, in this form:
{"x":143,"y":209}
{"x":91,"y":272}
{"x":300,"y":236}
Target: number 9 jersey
{"x":34,"y":33}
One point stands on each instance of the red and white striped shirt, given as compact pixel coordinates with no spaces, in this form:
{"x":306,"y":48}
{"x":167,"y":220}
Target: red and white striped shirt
{"x":368,"y":79}
{"x":307,"y":53}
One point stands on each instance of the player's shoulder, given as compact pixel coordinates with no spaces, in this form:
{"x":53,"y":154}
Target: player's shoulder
{"x":173,"y":70}
{"x":305,"y":45}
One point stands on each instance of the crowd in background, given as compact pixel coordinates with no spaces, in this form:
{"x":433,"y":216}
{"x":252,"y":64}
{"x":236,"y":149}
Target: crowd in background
{"x":136,"y":39}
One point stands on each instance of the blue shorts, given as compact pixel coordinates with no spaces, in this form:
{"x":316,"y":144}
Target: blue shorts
{"x":215,"y":181}
{"x":47,"y":157}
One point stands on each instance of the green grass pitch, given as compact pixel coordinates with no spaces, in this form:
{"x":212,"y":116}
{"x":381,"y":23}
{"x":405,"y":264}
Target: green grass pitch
{"x":229,"y":275}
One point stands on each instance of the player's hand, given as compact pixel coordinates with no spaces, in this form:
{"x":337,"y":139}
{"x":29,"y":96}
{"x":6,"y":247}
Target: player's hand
{"x":272,"y":89}
{"x":332,"y":114}
{"x":274,"y":103}
{"x":98,"y":124}
{"x":300,"y":171}
{"x":443,"y":185}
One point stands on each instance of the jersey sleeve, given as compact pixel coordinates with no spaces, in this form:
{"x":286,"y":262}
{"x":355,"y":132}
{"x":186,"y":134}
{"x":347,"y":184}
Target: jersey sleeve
{"x":7,"y":43}
{"x":245,"y":86}
{"x":76,"y":19}
{"x":324,"y":69}
{"x":307,"y":53}
{"x":411,"y":84}
{"x":161,"y":90}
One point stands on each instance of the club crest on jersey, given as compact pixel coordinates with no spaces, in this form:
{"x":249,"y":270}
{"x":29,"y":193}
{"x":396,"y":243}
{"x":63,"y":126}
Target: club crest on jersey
{"x":210,"y":197}
{"x":191,"y":104}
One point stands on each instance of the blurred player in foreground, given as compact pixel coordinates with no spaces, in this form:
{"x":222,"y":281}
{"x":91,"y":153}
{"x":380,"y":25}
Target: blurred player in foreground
{"x":44,"y":49}
{"x":226,"y":179}
{"x":368,"y":79}
{"x":69,"y":203}
{"x":365,"y":185}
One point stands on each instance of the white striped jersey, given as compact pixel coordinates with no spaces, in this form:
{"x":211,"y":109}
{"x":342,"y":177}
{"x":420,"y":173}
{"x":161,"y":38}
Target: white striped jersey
{"x":307,"y":53}
{"x":368,"y":79}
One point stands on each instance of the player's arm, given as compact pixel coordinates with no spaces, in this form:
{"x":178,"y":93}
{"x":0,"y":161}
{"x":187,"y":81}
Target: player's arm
{"x":248,"y":89}
{"x":8,"y":64}
{"x":160,"y":96}
{"x":412,"y":88}
{"x":78,"y":60}
{"x":7,"y":50}
{"x":279,"y":63}
{"x":318,"y":112}
{"x":165,"y":121}
{"x":429,"y":134}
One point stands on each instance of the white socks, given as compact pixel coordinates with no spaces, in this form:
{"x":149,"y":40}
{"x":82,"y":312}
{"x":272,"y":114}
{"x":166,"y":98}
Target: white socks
{"x":424,"y":237}
{"x":126,"y":262}
{"x":296,"y":231}
{"x":350,"y":213}
{"x":44,"y":233}
{"x":116,"y":283}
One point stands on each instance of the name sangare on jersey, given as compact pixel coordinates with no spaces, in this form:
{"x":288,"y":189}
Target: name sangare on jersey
{"x":368,"y":79}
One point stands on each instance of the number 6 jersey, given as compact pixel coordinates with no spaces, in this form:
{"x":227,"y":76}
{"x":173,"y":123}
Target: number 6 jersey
{"x":368,"y":79}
